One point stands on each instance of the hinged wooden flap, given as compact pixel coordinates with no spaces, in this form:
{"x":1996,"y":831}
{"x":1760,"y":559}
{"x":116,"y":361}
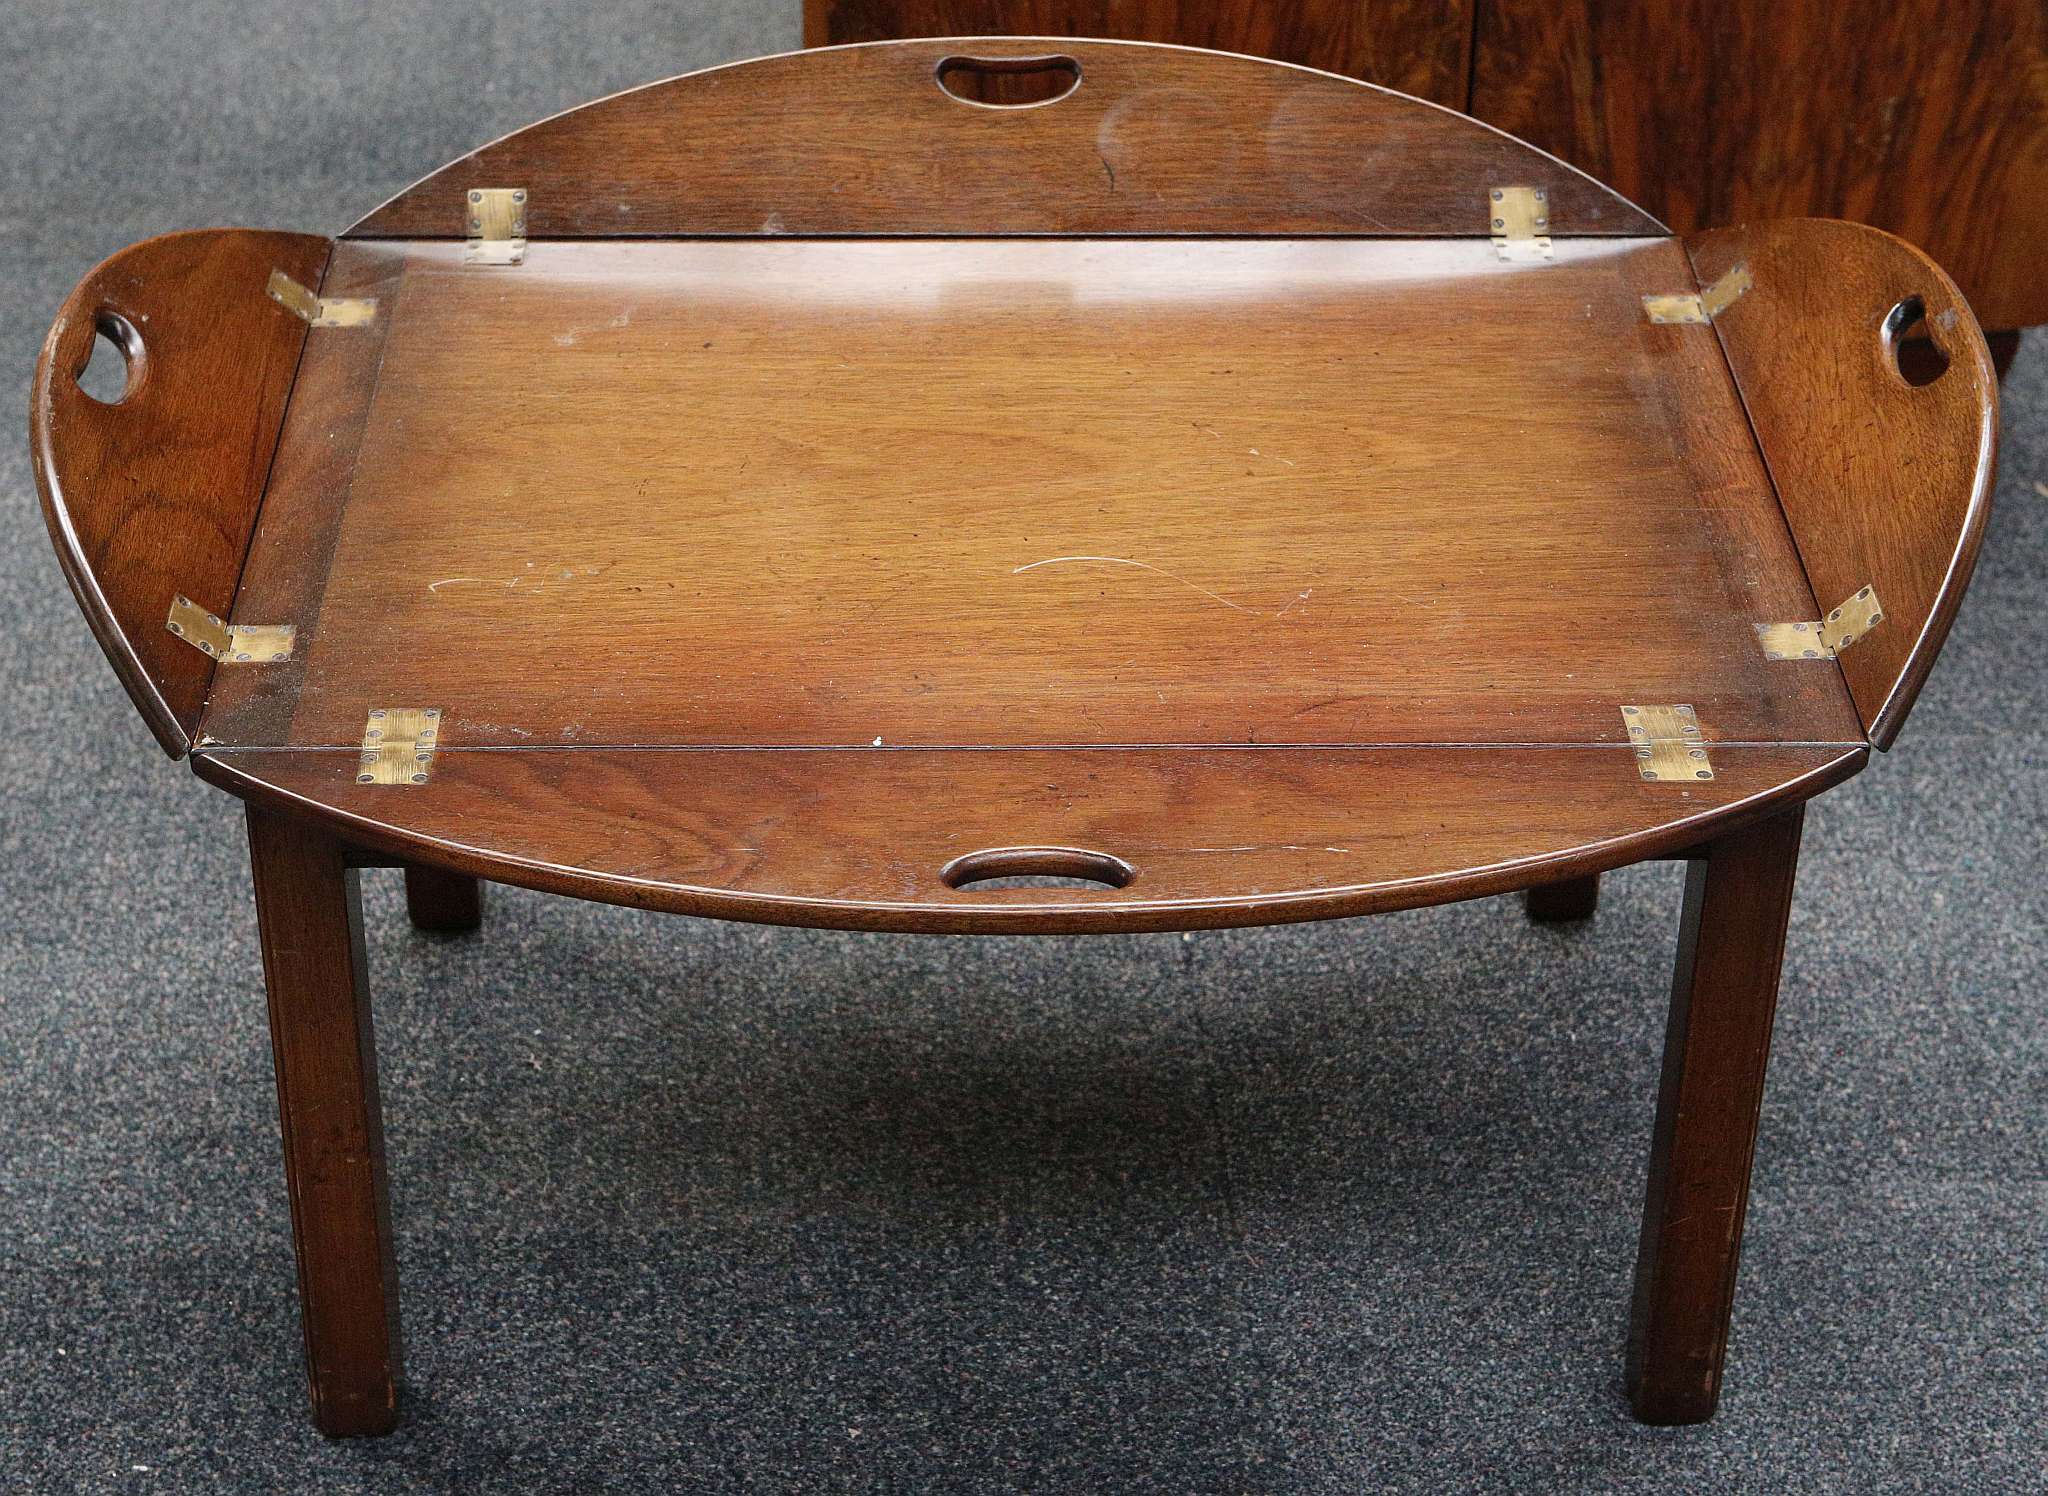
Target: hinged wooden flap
{"x":1885,"y":479}
{"x":157,"y":492}
{"x":868,"y":140}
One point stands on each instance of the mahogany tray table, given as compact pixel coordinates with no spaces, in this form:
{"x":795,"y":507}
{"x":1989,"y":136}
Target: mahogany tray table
{"x":1008,"y":486}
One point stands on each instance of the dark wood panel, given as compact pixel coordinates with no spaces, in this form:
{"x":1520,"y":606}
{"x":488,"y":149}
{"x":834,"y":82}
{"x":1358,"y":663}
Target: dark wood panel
{"x":1925,"y":117}
{"x":862,"y":140}
{"x":1031,"y":493}
{"x":860,"y":838}
{"x":1885,"y":483}
{"x":156,"y":494}
{"x":1416,"y":46}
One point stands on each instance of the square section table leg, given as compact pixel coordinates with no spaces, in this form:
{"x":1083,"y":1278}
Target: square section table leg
{"x":444,"y":902}
{"x":1738,"y":895}
{"x":314,"y":965}
{"x":1575,"y":898}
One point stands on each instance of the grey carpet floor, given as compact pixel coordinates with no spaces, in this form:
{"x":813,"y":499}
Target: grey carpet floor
{"x":686,"y":1206}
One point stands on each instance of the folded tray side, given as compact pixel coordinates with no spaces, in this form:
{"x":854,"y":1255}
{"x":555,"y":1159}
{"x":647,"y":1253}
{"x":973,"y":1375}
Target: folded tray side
{"x":863,"y":140}
{"x":878,"y":839}
{"x":1885,"y":484}
{"x":155,"y":494}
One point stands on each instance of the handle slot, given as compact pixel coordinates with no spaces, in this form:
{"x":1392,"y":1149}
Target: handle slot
{"x":1911,"y":344}
{"x":1037,"y":867}
{"x":112,"y":365}
{"x":1007,"y":82}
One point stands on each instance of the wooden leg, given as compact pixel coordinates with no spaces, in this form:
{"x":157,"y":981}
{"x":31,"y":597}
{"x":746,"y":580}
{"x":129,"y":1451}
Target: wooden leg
{"x":1737,"y":898}
{"x":1575,"y":898}
{"x":448,"y":903}
{"x":314,"y":965}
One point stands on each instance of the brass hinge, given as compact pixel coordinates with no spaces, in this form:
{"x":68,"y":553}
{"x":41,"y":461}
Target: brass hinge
{"x":230,"y":643}
{"x":1827,"y":637}
{"x":1520,"y":217}
{"x":1706,"y":306}
{"x":497,"y":226}
{"x":398,"y":745}
{"x":1667,"y":742}
{"x":321,"y":311}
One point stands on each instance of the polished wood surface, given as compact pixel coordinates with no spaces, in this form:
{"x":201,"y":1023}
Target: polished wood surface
{"x":1884,"y":483}
{"x":1029,"y":494}
{"x":843,"y":582}
{"x":1738,"y":897}
{"x":1932,"y":122}
{"x":861,"y":838}
{"x":862,"y":140}
{"x":314,"y":965}
{"x":1925,"y":117}
{"x":1415,"y":46}
{"x":156,"y":493}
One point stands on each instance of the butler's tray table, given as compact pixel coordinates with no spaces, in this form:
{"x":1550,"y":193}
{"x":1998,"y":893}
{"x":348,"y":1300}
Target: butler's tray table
{"x":1009,"y":486}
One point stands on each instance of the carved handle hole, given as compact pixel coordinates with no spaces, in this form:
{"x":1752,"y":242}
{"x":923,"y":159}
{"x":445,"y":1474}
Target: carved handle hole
{"x":1008,"y":82}
{"x":1919,"y":359}
{"x":1037,"y":867}
{"x":113,"y":359}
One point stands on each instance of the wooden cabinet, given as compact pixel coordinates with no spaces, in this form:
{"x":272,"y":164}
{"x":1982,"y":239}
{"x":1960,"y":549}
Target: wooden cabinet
{"x":1929,"y":119}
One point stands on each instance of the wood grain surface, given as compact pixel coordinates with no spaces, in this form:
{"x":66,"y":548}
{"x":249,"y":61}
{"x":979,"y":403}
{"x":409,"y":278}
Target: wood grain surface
{"x":1414,"y":46}
{"x":861,"y":140}
{"x":315,"y":968}
{"x":1731,"y":944}
{"x":1003,"y":493}
{"x":1925,"y":117}
{"x":858,"y":839}
{"x":156,"y":494}
{"x":1884,"y":483}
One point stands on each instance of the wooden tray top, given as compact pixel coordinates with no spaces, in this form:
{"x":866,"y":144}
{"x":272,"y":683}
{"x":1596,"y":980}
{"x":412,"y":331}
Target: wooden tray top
{"x":1173,"y":484}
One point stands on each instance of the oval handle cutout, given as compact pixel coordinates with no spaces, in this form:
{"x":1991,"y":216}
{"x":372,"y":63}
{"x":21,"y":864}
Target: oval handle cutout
{"x":1008,"y":82}
{"x":113,"y":360}
{"x":1037,"y":867}
{"x":1919,"y":359}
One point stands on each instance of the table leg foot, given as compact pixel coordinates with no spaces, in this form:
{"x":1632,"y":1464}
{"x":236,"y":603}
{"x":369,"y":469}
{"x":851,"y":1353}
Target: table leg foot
{"x":1575,"y":898}
{"x":1738,"y":896}
{"x":444,"y":902}
{"x":314,"y":966}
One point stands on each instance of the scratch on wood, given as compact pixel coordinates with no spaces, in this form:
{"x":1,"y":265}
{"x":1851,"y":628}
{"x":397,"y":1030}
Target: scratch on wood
{"x":1162,"y":571}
